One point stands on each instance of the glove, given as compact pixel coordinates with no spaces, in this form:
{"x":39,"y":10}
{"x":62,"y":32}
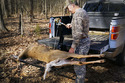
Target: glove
{"x":71,"y":50}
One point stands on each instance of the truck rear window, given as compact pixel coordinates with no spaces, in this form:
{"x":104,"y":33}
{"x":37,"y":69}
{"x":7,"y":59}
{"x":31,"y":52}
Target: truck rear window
{"x":105,"y":7}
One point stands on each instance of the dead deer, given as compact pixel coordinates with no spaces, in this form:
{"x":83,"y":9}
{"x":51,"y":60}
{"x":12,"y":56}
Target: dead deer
{"x":54,"y":57}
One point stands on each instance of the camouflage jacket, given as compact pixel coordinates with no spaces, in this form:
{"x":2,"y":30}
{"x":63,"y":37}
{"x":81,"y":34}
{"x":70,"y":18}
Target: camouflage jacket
{"x":80,"y":26}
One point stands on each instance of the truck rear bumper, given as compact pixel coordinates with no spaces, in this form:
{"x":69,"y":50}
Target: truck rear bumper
{"x":110,"y":53}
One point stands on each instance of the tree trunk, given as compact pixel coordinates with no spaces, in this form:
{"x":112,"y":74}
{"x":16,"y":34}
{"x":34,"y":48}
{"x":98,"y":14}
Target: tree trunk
{"x":21,"y":22}
{"x":41,"y":7}
{"x":21,"y":19}
{"x":45,"y":9}
{"x":50,"y":10}
{"x":37,"y":7}
{"x":31,"y":10}
{"x":2,"y":25}
{"x":4,"y":5}
{"x":62,"y":10}
{"x":10,"y":6}
{"x":16,"y":7}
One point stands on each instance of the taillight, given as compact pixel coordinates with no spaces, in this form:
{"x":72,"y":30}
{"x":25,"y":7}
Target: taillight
{"x":114,"y":36}
{"x":115,"y":29}
{"x":49,"y":30}
{"x":114,"y":32}
{"x":49,"y":25}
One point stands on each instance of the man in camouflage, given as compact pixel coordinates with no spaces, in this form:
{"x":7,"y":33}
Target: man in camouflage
{"x":81,"y":41}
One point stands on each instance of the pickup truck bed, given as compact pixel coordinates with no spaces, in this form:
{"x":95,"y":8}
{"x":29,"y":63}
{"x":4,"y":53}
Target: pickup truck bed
{"x":98,"y":42}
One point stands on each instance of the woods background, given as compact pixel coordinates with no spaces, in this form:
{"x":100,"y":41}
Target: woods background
{"x":37,"y":7}
{"x":31,"y":9}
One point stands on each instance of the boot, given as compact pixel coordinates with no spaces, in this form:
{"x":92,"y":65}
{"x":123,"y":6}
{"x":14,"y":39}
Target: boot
{"x":79,"y":80}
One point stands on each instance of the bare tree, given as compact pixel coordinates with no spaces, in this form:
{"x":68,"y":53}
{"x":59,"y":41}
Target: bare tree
{"x":50,"y":10}
{"x":32,"y":7}
{"x":21,"y":19}
{"x":45,"y":9}
{"x":10,"y":6}
{"x":2,"y":25}
{"x":16,"y":6}
{"x":31,"y":10}
{"x":4,"y":7}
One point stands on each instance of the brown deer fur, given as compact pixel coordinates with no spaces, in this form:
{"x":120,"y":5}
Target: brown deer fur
{"x":43,"y":53}
{"x":54,"y":57}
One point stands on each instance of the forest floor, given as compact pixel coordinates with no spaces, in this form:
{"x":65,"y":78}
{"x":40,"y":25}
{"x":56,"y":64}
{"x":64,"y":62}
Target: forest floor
{"x":11,"y":43}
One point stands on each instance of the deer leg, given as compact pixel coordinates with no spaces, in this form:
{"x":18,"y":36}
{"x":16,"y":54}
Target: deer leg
{"x":63,"y":62}
{"x":48,"y":67}
{"x":56,"y":62}
{"x":89,"y":62}
{"x":88,"y":56}
{"x":69,"y":62}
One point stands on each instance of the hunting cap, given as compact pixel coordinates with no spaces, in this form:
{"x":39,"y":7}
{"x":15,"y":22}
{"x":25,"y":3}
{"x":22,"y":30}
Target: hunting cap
{"x":68,"y":2}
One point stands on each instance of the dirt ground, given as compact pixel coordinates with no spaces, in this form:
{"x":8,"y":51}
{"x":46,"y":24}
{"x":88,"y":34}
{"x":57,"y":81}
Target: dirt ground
{"x":11,"y":71}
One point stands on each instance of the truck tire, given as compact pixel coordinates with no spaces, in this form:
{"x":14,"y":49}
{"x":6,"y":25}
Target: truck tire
{"x":120,"y":59}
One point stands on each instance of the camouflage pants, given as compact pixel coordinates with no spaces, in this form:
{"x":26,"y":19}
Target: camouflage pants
{"x":83,"y":49}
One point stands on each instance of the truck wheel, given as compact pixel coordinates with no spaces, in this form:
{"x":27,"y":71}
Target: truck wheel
{"x":120,"y":59}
